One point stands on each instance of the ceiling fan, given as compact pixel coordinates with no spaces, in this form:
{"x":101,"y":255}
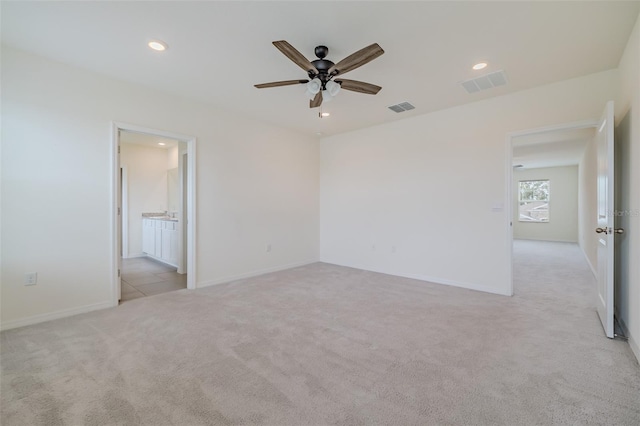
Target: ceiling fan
{"x":323,"y":82}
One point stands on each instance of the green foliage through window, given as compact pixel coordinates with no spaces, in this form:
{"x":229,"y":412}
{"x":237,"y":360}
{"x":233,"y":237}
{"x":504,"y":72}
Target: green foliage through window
{"x":533,"y":198}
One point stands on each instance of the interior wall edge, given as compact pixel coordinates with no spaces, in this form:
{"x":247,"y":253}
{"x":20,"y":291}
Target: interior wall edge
{"x":428,"y":279}
{"x":231,"y":278}
{"x":36,"y":319}
{"x":635,"y":348}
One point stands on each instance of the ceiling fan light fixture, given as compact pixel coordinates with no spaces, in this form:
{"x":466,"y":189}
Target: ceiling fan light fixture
{"x":332,"y":87}
{"x":326,"y":96}
{"x":314,"y":86}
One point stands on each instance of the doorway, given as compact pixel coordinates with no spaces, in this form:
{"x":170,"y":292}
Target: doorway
{"x":541,"y":161}
{"x":596,"y":211}
{"x":154,"y":233}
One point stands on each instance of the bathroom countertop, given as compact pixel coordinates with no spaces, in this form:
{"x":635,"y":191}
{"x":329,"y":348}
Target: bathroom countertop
{"x":159,"y":216}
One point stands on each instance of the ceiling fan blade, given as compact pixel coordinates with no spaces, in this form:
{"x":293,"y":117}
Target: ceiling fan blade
{"x":358,"y":86}
{"x":280,"y":83}
{"x":316,"y":101}
{"x":297,"y":57}
{"x":357,"y":59}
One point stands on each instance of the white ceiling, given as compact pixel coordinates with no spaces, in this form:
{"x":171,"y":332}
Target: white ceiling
{"x":219,"y":50}
{"x":551,"y":149}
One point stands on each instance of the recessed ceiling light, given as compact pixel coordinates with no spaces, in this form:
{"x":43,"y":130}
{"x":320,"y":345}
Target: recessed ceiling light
{"x":158,"y":45}
{"x":324,"y":114}
{"x":161,"y":143}
{"x":319,"y":133}
{"x":480,"y":65}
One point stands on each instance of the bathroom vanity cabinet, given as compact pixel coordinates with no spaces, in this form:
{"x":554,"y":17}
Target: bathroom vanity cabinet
{"x":160,"y":239}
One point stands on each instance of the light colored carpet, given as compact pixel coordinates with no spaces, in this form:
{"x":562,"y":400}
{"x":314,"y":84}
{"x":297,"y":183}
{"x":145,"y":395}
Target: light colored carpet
{"x":324,"y":344}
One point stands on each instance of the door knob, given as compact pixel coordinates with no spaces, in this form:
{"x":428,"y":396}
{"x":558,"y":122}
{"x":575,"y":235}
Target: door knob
{"x":619,"y":230}
{"x":601,"y":230}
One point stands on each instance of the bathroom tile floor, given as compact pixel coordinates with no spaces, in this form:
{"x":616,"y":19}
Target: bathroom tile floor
{"x":143,"y":276}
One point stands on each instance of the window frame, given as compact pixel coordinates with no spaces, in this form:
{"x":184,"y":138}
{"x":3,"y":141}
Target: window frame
{"x":547,"y":200}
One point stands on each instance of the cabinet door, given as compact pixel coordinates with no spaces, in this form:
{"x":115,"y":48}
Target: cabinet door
{"x":173,"y":246}
{"x":158,"y":239}
{"x":170,"y":243}
{"x":166,"y":244}
{"x":148,"y":236}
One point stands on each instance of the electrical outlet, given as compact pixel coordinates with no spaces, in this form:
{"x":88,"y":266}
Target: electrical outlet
{"x":268,"y":248}
{"x":31,"y":278}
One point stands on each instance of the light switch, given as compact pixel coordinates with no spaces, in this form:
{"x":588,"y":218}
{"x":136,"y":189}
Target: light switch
{"x":31,"y":278}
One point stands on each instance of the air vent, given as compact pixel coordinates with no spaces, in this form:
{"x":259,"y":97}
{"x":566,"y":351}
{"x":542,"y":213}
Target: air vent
{"x":401,"y":107}
{"x":484,"y":82}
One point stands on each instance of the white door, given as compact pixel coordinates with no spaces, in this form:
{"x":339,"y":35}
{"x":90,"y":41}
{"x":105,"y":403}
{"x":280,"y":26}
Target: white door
{"x":605,"y":230}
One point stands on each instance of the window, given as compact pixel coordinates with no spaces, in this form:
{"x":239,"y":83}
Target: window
{"x":533,"y":197}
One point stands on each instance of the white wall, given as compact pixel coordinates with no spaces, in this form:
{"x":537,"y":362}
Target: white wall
{"x":427,"y":185}
{"x":588,"y":203}
{"x":172,"y":157}
{"x":563,"y":206}
{"x":173,"y":179}
{"x":628,"y":145}
{"x":146,"y":188}
{"x":257,"y":185}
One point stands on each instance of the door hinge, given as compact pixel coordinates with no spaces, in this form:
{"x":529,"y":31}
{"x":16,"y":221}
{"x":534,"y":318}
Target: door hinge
{"x":118,"y":211}
{"x":118,"y":273}
{"x":118,"y":149}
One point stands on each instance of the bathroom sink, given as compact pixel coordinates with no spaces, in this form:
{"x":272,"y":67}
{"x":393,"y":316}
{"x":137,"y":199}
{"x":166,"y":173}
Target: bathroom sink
{"x":162,"y":217}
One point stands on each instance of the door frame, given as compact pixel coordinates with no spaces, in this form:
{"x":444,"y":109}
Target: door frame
{"x":183,"y":169}
{"x":116,"y":236}
{"x":125,"y":210}
{"x":576,"y":125}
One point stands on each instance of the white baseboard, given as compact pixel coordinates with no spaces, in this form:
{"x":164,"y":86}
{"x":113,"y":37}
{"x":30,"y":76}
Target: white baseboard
{"x":434,"y":280}
{"x":253,"y":273}
{"x":625,"y":330}
{"x":623,"y":326}
{"x":150,"y":256}
{"x":132,"y":256}
{"x":593,"y":270}
{"x":35,"y":319}
{"x":468,"y":286}
{"x":634,"y":347}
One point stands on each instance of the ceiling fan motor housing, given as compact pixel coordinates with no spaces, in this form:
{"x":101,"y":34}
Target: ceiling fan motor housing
{"x":321,"y":51}
{"x":322,"y":65}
